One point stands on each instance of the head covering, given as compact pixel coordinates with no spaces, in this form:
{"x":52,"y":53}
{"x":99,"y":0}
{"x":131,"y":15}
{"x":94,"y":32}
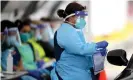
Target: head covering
{"x":70,"y":9}
{"x":23,"y":23}
{"x":6,"y":23}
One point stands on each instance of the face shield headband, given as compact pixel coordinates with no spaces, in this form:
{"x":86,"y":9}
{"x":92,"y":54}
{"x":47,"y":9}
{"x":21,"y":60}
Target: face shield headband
{"x":77,"y":13}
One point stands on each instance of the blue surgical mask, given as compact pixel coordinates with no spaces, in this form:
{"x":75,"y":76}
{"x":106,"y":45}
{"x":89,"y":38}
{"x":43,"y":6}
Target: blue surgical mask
{"x":80,"y":23}
{"x":25,"y":37}
{"x":12,"y":41}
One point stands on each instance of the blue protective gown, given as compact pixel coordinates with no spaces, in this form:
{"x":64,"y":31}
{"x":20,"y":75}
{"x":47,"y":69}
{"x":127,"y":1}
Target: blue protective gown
{"x":76,"y":59}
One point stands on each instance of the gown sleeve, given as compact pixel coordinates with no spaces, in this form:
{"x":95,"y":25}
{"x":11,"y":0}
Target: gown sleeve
{"x":72,"y":42}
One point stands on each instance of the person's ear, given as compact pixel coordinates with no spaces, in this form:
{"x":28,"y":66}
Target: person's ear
{"x":74,"y":18}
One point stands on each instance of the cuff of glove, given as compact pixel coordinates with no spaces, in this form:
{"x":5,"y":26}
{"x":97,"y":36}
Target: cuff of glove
{"x":102,"y":51}
{"x":102,"y":44}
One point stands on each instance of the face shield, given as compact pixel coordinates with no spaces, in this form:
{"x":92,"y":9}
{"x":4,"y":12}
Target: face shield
{"x":44,"y":32}
{"x":39,"y":31}
{"x":80,"y":19}
{"x":27,"y":33}
{"x":48,"y":31}
{"x":13,"y":38}
{"x":36,"y":31}
{"x":33,"y":30}
{"x":81,"y":13}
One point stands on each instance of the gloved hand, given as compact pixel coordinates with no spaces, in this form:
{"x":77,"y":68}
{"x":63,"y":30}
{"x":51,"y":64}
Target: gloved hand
{"x":103,"y":51}
{"x":35,"y":73}
{"x":40,"y":63}
{"x":102,"y":44}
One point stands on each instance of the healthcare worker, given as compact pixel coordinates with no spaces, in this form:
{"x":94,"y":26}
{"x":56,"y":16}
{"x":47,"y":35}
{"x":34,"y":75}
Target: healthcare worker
{"x":25,"y":49}
{"x":43,"y":31}
{"x":49,"y":29}
{"x":29,"y":62}
{"x":10,"y":39}
{"x":41,"y":52}
{"x":5,"y":45}
{"x":26,"y":37}
{"x":73,"y":54}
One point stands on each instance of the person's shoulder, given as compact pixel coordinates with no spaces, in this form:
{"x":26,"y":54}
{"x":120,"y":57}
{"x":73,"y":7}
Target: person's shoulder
{"x":65,"y":27}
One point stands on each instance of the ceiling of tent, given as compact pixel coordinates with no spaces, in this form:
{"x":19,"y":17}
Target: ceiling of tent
{"x":34,"y":9}
{"x":12,"y":5}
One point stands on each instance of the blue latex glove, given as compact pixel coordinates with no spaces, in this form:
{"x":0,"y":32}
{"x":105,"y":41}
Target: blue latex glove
{"x":102,"y":44}
{"x":35,"y":73}
{"x":103,"y":51}
{"x":40,"y":63}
